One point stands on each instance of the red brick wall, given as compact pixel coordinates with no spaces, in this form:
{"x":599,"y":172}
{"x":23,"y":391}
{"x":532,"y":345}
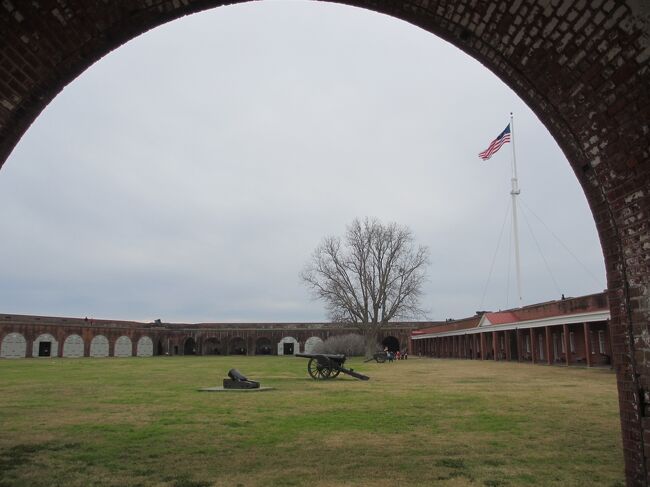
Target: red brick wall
{"x":175,"y":335}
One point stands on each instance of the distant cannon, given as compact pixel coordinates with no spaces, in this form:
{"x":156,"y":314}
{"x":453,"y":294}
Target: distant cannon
{"x":323,"y":366}
{"x":379,"y":357}
{"x":239,"y":381}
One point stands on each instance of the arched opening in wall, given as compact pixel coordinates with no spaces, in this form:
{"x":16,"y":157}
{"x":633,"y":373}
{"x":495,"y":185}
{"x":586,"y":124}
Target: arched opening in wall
{"x":73,"y":346}
{"x":263,"y":346}
{"x":421,"y":114}
{"x":288,"y":346}
{"x":99,"y":346}
{"x":312,"y":344}
{"x":391,"y":343}
{"x":189,"y":347}
{"x":237,"y":346}
{"x":212,"y":346}
{"x":123,"y":347}
{"x":13,"y":345}
{"x":559,"y":96}
{"x":45,"y":346}
{"x":144,"y":347}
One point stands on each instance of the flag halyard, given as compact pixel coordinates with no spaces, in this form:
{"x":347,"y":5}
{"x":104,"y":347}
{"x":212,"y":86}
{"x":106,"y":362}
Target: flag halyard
{"x":495,"y":145}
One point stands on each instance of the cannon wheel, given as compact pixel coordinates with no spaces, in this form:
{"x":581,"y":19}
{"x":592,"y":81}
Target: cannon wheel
{"x":317,"y":371}
{"x":380,"y":358}
{"x":334,"y":373}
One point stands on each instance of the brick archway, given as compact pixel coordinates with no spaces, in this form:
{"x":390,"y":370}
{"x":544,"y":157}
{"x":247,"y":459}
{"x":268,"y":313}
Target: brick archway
{"x":582,"y":67}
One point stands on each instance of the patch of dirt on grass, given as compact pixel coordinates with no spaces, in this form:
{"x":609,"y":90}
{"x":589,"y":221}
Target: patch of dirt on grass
{"x":359,"y":439}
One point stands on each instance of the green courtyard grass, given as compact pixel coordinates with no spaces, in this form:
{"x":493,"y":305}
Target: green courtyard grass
{"x":141,"y":422}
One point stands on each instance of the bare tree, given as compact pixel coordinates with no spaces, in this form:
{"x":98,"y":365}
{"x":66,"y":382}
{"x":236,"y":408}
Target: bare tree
{"x":374,"y":275}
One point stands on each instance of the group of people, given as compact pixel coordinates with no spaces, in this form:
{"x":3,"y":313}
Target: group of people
{"x":395,"y":355}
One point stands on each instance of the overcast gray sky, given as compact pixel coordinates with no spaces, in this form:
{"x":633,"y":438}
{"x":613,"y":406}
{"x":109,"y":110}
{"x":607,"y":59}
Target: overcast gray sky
{"x":189,"y":175}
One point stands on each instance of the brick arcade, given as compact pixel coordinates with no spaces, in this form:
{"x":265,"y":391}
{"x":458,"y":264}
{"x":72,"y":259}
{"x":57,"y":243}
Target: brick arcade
{"x":33,"y":336}
{"x":582,"y":66}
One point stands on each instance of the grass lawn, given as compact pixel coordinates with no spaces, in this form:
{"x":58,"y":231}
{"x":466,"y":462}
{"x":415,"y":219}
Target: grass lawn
{"x":140,"y":422}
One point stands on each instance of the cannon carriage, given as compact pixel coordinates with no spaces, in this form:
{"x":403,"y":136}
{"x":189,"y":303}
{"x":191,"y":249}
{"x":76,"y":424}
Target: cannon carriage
{"x":324,"y":366}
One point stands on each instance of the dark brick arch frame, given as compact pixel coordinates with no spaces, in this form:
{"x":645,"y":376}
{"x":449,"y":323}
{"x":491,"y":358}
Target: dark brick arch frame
{"x":261,"y":339}
{"x":205,"y":340}
{"x":237,"y":338}
{"x":183,"y":345}
{"x":582,"y":67}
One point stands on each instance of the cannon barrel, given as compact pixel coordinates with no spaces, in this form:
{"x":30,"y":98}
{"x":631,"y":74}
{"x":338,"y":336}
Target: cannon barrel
{"x":234,"y":374}
{"x":239,"y":381}
{"x":331,"y":356}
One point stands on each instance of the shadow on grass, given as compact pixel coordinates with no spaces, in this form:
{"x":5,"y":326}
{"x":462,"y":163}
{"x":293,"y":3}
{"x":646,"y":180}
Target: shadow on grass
{"x":20,"y":455}
{"x":187,"y":482}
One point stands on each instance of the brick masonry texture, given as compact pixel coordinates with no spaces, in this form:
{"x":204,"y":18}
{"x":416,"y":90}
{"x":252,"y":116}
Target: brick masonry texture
{"x":170,"y":338}
{"x":583,"y":66}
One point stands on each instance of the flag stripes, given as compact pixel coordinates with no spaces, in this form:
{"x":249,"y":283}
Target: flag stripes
{"x":495,"y":145}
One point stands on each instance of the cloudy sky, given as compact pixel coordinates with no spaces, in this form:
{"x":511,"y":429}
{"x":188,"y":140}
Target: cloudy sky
{"x":189,"y":175}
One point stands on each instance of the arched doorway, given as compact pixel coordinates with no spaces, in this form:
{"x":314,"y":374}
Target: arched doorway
{"x":594,"y":101}
{"x":45,"y":345}
{"x":288,"y":346}
{"x":211,"y":346}
{"x":391,"y":343}
{"x":237,"y":346}
{"x":189,"y":347}
{"x":263,"y":346}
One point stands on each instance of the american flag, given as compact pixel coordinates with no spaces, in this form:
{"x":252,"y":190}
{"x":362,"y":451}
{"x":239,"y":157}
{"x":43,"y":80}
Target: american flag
{"x":495,"y":145}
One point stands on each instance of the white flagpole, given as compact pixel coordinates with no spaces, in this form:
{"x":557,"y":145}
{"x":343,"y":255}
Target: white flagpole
{"x":514,"y":192}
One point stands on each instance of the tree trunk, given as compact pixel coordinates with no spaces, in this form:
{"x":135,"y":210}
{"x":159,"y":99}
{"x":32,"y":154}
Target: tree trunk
{"x":371,"y":343}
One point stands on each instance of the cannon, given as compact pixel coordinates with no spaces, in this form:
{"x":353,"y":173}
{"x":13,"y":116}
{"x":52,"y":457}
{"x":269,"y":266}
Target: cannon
{"x":239,"y":381}
{"x":323,"y":366}
{"x":379,"y":357}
